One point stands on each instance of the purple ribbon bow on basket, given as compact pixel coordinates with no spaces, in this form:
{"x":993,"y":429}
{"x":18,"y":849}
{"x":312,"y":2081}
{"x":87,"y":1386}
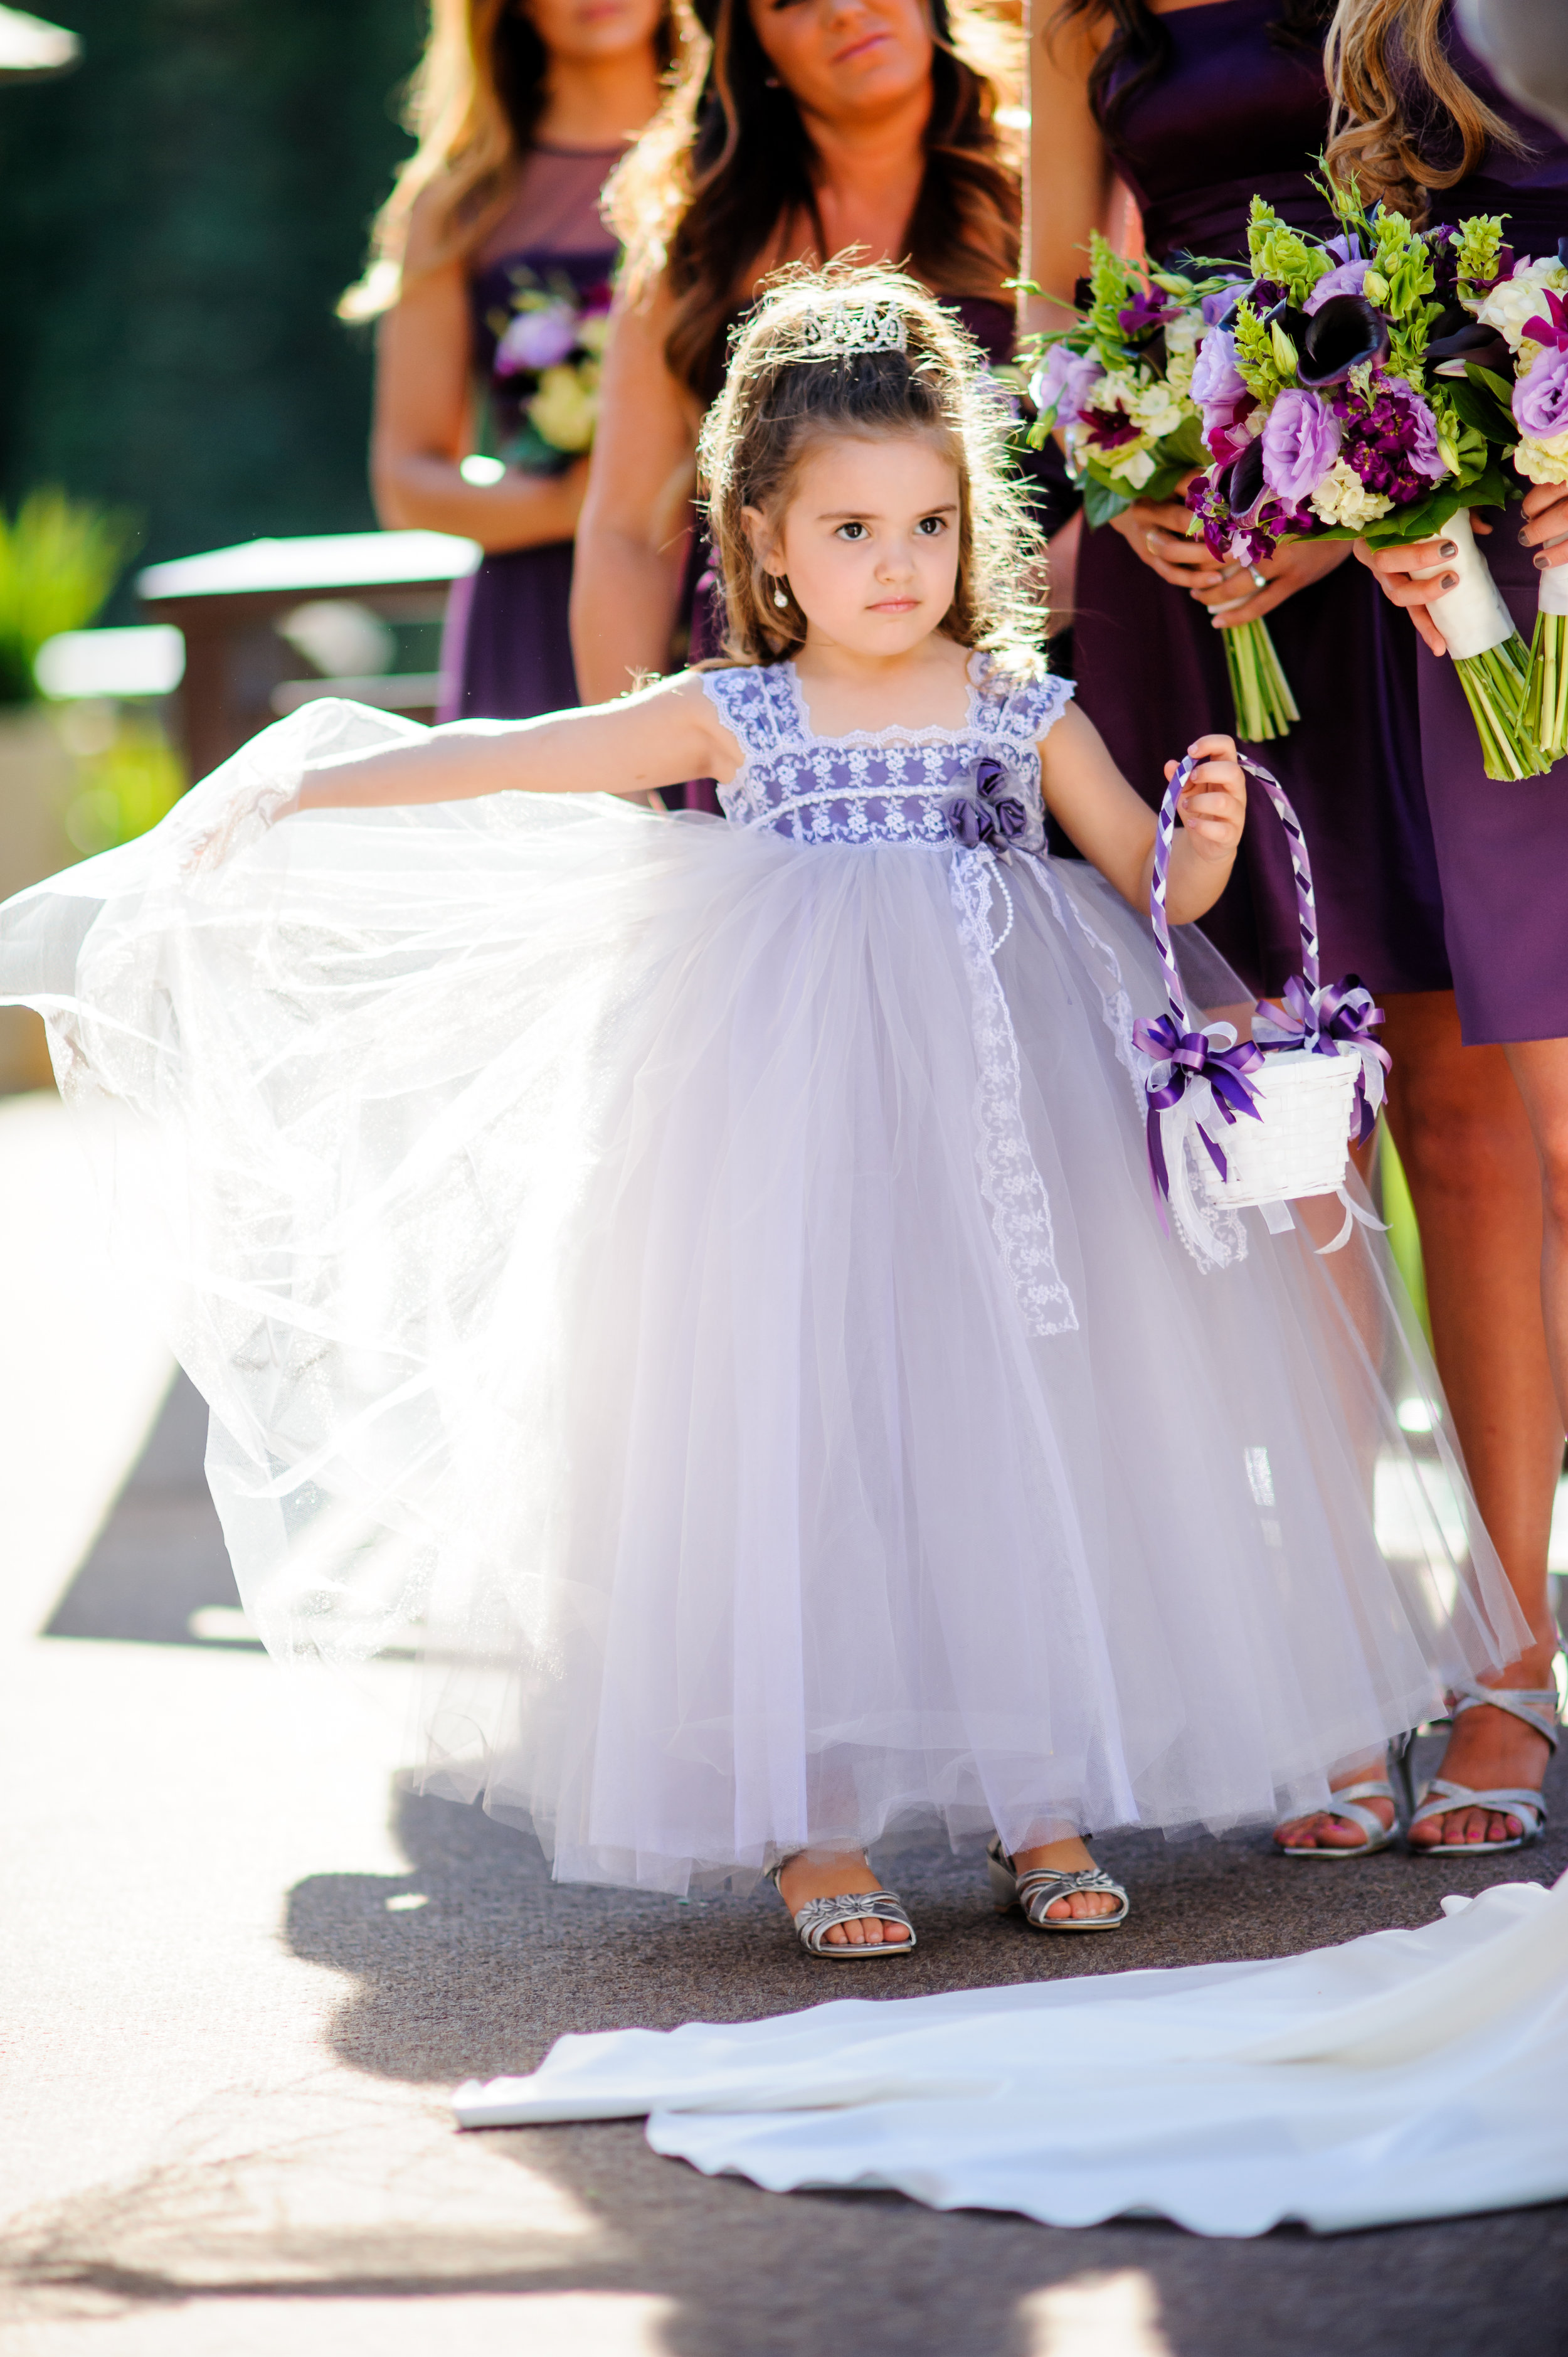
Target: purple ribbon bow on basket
{"x":1342,"y":1013}
{"x":1197,"y":1071}
{"x":1200,"y":1058}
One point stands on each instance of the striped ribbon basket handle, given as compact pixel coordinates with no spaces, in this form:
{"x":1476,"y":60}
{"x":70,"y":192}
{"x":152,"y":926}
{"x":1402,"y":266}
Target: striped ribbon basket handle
{"x":1301,"y":867}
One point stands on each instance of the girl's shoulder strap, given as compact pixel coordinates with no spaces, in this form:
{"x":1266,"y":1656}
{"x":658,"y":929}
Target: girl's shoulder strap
{"x":757,"y":704}
{"x":1020,"y":706}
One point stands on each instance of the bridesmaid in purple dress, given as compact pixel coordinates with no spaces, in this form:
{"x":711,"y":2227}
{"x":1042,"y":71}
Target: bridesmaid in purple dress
{"x":1196,"y":105}
{"x":492,"y":281}
{"x":1502,"y":849}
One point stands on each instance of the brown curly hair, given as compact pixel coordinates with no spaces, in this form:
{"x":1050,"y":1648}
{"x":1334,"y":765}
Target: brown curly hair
{"x":699,"y":197}
{"x":1400,"y":106}
{"x":780,"y":398}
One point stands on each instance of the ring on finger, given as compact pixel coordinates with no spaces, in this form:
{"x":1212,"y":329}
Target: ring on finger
{"x":1259,"y":578}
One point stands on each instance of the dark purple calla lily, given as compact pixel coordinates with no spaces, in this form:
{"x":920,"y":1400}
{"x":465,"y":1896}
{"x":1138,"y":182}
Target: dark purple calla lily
{"x":1458,"y":338}
{"x":1246,"y":485}
{"x":1348,"y":332}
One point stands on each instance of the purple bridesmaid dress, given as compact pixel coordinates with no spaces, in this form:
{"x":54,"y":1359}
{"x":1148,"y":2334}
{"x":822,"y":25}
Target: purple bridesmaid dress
{"x":1502,"y":849}
{"x":1150,"y":666}
{"x":508,"y":651}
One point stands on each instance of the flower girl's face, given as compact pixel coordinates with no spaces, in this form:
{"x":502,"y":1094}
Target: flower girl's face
{"x":869,"y":540}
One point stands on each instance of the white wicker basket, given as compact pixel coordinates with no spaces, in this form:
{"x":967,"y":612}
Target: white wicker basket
{"x":1304,"y":1095}
{"x":1302,"y":1144}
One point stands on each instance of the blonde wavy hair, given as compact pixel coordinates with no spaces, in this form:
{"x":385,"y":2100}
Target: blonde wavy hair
{"x":1379,"y":53}
{"x":780,"y":396}
{"x":473,"y":105}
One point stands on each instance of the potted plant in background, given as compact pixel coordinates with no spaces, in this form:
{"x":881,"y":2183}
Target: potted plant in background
{"x":59,"y":559}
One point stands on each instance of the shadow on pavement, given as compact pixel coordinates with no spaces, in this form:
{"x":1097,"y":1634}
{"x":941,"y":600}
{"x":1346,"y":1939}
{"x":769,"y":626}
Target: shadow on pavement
{"x":159,"y":1572}
{"x":475,"y":1962}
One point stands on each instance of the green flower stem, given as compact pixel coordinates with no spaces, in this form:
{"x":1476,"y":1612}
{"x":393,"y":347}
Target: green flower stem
{"x":1265,"y":708}
{"x":1546,"y":696}
{"x":1494,"y":685}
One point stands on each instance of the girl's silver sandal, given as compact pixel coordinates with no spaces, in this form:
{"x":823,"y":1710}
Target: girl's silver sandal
{"x":817,"y":1917}
{"x":1347,"y":1803}
{"x":1537,"y":1706}
{"x":1042,"y":1886}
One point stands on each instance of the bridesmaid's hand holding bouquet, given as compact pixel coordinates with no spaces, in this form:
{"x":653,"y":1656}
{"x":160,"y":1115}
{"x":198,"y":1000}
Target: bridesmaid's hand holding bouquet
{"x":1122,"y":387}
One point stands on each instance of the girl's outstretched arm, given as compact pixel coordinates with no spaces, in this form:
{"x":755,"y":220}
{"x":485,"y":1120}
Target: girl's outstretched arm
{"x":1114,"y":828}
{"x":656,"y":737}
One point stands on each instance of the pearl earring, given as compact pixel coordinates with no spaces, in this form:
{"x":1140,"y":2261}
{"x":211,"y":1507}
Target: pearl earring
{"x":781,"y":594}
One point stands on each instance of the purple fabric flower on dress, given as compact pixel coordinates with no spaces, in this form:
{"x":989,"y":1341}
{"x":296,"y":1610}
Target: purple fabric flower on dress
{"x":536,"y":340}
{"x":1349,"y":279}
{"x":1062,"y":386}
{"x":1301,"y":442}
{"x":1540,"y":396}
{"x":970,"y":822}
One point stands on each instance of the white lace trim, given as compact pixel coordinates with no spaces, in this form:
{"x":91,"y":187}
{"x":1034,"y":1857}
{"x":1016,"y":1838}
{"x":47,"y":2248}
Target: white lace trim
{"x":790,"y":777}
{"x":1009,"y":1180}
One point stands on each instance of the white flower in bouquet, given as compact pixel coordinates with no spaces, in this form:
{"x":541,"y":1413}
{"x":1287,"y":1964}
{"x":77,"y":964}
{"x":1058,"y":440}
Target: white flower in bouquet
{"x":1134,"y":465}
{"x":593,"y":330}
{"x":1517,"y":299}
{"x":1544,"y":461}
{"x":1156,"y":410}
{"x":1182,"y":334}
{"x":563,"y":409}
{"x":1341,"y":497}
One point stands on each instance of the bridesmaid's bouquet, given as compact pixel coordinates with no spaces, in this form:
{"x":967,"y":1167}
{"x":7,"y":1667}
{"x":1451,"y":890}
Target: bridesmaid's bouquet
{"x":1522,"y":314}
{"x":1124,"y":385}
{"x":1352,"y":393}
{"x":549,"y":348}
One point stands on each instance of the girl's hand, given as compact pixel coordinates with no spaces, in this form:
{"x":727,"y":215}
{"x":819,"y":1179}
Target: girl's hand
{"x":1213,"y":805}
{"x":1249,"y":591}
{"x":1395,"y":567}
{"x":1546,"y":524}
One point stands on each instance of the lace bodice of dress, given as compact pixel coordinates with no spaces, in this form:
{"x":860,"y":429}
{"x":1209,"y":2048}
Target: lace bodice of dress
{"x":888,"y":785}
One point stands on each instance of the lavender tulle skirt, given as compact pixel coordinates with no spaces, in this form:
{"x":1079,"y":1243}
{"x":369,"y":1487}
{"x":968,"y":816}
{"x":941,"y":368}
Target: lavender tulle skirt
{"x":579,"y":1236}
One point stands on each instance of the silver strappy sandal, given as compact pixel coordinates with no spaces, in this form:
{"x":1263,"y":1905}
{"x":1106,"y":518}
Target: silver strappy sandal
{"x":1043,"y":1886}
{"x":1347,"y":1802}
{"x":817,"y":1917}
{"x":1537,"y":1706}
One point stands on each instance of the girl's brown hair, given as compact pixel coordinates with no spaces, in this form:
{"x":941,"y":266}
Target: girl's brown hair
{"x":1393,"y":83}
{"x":780,"y":396}
{"x":729,"y":157}
{"x":474,"y":106}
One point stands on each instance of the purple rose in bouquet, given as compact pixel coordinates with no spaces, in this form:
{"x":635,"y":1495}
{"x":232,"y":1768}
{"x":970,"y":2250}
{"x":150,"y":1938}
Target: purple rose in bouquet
{"x":1541,"y":397}
{"x":1301,"y":442}
{"x":1062,"y":386}
{"x":1222,"y":394}
{"x":536,"y":340}
{"x":1347,"y":279}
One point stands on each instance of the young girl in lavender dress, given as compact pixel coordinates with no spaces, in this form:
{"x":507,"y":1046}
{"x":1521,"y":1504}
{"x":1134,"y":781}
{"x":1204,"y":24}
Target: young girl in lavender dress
{"x":701,"y":1281}
{"x":492,"y":281}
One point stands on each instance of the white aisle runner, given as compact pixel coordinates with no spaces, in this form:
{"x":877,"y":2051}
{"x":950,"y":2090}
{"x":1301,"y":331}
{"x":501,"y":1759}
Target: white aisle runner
{"x":1407,"y":2074}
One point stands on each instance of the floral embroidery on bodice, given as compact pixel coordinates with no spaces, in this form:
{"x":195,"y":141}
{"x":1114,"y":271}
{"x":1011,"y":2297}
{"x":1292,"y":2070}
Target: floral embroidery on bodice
{"x":980,"y":783}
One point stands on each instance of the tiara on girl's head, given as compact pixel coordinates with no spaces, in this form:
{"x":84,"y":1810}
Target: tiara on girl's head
{"x":842,"y":327}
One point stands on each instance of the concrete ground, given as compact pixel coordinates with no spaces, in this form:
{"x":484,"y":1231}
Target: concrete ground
{"x":243,"y":1967}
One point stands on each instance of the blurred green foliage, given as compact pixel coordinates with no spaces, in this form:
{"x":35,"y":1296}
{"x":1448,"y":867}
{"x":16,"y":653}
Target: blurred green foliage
{"x":129,"y":776}
{"x":177,"y":219}
{"x":59,"y":561}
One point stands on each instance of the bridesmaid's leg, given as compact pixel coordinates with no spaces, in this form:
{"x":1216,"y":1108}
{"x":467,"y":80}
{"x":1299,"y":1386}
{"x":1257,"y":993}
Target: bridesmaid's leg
{"x":1466,"y":1144}
{"x":1466,"y":1141}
